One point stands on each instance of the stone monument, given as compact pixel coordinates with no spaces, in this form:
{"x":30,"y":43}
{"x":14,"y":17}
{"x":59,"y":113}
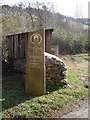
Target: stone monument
{"x":35,"y":63}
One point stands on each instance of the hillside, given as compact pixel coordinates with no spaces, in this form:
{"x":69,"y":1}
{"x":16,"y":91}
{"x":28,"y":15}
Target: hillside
{"x":56,"y":102}
{"x":71,"y":35}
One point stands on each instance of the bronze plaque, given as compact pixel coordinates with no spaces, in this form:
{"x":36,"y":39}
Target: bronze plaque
{"x":35,"y":63}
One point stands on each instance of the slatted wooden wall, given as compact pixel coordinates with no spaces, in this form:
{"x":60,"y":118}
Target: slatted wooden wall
{"x":48,"y":37}
{"x":18,"y":44}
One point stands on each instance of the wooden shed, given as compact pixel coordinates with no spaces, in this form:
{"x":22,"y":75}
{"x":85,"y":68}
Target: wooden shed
{"x":18,"y":44}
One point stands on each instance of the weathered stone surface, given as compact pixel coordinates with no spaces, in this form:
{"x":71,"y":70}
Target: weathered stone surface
{"x":35,"y":64}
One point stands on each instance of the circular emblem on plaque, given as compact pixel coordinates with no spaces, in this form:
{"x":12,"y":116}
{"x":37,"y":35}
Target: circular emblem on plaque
{"x":36,"y":38}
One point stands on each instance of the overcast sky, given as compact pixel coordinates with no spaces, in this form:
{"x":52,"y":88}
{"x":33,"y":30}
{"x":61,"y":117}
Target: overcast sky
{"x":74,"y":8}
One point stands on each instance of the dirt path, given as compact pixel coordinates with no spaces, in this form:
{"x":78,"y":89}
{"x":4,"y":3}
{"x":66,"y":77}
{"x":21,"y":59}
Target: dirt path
{"x":78,"y":111}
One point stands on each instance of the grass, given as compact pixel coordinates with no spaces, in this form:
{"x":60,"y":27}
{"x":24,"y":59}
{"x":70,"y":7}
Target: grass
{"x":16,"y":103}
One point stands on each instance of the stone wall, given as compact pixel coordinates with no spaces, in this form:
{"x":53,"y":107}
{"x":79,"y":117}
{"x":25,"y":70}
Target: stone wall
{"x":56,"y":72}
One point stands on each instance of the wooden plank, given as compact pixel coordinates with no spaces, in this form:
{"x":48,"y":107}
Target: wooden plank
{"x":12,"y":42}
{"x":9,"y":44}
{"x":22,"y":45}
{"x":19,"y":46}
{"x":15,"y":47}
{"x":26,"y":43}
{"x":49,"y":45}
{"x":23,"y":35}
{"x":47,"y":41}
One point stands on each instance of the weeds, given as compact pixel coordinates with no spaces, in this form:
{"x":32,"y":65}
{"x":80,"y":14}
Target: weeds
{"x":16,"y":103}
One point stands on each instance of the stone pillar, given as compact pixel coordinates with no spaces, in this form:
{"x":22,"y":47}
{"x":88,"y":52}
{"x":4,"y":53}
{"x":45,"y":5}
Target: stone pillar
{"x":35,"y":63}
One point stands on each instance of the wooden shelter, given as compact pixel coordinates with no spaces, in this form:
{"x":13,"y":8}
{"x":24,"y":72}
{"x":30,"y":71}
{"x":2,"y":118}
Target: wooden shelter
{"x":18,"y":44}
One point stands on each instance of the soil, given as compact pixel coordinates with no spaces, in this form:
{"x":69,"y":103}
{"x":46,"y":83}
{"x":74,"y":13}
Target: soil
{"x":80,"y":110}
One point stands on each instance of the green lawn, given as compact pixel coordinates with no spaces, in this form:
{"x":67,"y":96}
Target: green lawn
{"x":16,"y":103}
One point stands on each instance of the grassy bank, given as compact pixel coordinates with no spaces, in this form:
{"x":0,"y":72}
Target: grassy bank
{"x":16,"y":103}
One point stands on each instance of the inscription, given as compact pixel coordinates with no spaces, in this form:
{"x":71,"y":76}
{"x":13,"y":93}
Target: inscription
{"x":35,"y":61}
{"x":34,"y":48}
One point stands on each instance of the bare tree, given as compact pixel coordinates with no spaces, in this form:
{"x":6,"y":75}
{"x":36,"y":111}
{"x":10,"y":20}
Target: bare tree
{"x":45,"y":13}
{"x":38,"y":7}
{"x":29,"y":9}
{"x":48,"y":15}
